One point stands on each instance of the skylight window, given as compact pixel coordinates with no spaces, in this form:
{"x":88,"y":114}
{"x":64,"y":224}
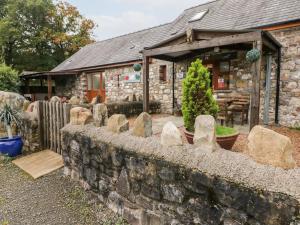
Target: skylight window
{"x":198,"y":16}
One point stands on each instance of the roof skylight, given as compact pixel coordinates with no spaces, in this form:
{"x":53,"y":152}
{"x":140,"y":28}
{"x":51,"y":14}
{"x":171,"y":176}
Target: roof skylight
{"x":198,"y":16}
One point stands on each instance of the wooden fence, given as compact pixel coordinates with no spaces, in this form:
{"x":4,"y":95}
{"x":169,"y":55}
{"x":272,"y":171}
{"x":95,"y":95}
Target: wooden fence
{"x":52,"y":117}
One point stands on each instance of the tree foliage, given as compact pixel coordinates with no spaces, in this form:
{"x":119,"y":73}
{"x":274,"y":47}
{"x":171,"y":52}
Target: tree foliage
{"x":197,"y":96}
{"x":9,"y":79}
{"x":37,"y":35}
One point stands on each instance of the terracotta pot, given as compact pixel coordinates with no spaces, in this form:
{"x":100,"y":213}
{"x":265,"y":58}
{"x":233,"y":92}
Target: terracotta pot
{"x":225,"y":142}
{"x":228,"y":141}
{"x":189,"y":136}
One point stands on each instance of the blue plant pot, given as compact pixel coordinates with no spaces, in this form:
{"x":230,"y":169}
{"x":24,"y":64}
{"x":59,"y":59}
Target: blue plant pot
{"x":11,"y":147}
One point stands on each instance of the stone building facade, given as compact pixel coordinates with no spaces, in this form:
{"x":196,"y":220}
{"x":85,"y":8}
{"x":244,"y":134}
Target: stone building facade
{"x":290,"y":76}
{"x":240,"y":81}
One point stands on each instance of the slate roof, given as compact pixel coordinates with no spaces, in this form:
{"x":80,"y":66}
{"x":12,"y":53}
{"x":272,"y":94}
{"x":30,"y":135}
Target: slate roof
{"x":222,"y":14}
{"x":116,"y":50}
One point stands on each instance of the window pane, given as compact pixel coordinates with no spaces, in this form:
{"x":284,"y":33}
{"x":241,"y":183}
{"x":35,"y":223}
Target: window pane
{"x":96,"y":81}
{"x":89,"y":79}
{"x":163,"y":73}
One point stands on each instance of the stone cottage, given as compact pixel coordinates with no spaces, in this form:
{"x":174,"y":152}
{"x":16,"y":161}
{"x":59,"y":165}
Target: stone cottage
{"x":105,"y":68}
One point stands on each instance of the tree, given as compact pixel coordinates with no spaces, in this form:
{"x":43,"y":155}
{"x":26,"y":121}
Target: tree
{"x":9,"y":79}
{"x":37,"y":35}
{"x":69,"y":31}
{"x":21,"y":34}
{"x":197,"y":96}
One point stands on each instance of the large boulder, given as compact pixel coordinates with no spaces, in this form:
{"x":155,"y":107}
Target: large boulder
{"x":15,"y":100}
{"x":100,"y":115}
{"x":32,"y":110}
{"x":26,"y":104}
{"x":118,"y":123}
{"x":170,"y":135}
{"x":142,"y":126}
{"x":55,"y":99}
{"x":205,"y":132}
{"x":268,"y":147}
{"x":132,"y":98}
{"x":74,"y":100}
{"x":80,"y":116}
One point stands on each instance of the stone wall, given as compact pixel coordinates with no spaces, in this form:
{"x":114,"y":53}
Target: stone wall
{"x":117,"y":88}
{"x":290,"y":76}
{"x":69,"y":86}
{"x":30,"y":133}
{"x":149,"y":185}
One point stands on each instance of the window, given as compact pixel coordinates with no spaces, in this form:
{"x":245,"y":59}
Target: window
{"x":198,"y":16}
{"x":223,"y":78}
{"x":163,"y":73}
{"x":93,"y":81}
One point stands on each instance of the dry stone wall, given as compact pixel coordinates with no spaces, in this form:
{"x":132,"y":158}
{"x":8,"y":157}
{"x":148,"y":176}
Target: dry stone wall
{"x":149,"y":184}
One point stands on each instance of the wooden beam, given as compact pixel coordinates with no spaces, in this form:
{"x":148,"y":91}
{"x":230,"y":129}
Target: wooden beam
{"x":255,"y":93}
{"x":218,"y":41}
{"x":49,"y":79}
{"x":165,"y":58}
{"x":269,"y":44}
{"x":146,"y":84}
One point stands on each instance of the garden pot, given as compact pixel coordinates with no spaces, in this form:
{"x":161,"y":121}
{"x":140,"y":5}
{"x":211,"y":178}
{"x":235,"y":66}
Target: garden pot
{"x":11,"y":147}
{"x":189,"y":136}
{"x":227,"y":141}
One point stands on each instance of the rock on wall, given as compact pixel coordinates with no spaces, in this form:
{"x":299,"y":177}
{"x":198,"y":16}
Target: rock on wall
{"x":148,"y":184}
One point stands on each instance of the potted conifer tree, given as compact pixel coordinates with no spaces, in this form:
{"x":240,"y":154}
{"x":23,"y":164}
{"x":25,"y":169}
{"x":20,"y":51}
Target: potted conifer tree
{"x":197,"y":97}
{"x":10,"y":145}
{"x":198,"y":100}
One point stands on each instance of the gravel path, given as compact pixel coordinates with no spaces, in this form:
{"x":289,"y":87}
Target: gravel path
{"x":50,"y":200}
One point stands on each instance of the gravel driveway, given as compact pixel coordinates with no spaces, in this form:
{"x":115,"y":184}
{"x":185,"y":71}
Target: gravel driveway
{"x":50,"y":200}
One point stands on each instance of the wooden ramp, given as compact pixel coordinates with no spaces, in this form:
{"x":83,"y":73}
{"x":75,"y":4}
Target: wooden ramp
{"x":40,"y":163}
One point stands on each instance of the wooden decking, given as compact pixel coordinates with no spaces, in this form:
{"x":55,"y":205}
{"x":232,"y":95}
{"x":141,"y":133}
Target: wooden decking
{"x":40,"y":163}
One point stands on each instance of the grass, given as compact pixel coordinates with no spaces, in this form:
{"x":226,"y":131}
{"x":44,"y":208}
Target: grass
{"x":224,"y":131}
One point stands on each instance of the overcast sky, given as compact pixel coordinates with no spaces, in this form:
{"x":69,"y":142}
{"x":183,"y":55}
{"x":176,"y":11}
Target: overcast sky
{"x":117,"y":17}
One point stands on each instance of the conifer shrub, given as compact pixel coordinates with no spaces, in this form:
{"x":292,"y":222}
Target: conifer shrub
{"x":197,"y":96}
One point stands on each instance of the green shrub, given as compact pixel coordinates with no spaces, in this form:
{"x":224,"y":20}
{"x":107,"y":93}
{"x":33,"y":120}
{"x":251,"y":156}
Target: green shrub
{"x":197,"y":96}
{"x":9,"y":79}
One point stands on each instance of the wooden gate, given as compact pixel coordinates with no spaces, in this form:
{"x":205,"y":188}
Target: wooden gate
{"x":52,"y":117}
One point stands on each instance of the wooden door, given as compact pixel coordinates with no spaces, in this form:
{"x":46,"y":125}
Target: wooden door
{"x":96,"y":86}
